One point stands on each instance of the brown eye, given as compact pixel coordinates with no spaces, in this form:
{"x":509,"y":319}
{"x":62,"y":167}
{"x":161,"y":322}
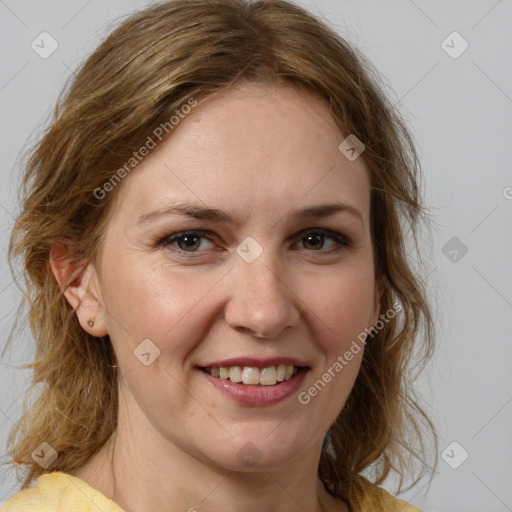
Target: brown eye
{"x":186,"y":242}
{"x":314,"y":240}
{"x":189,"y":242}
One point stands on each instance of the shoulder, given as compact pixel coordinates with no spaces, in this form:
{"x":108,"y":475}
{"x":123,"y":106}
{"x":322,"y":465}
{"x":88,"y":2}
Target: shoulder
{"x":370,"y":497}
{"x":59,"y":492}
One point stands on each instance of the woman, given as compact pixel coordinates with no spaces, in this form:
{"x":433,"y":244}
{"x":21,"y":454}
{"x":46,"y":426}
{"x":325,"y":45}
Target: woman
{"x":219,"y":289}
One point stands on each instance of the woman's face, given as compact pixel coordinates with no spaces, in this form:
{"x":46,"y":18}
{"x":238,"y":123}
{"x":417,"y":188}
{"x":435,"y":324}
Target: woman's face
{"x":256,"y":288}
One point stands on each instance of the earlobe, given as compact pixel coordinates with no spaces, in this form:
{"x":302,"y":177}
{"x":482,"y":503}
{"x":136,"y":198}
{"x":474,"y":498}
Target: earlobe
{"x":82,"y":292}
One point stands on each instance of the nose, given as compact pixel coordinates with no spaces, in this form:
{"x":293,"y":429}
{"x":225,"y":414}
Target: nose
{"x":262,"y":304}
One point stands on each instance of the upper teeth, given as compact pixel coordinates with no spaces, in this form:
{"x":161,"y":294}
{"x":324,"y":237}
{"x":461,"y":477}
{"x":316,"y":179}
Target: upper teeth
{"x":251,"y":375}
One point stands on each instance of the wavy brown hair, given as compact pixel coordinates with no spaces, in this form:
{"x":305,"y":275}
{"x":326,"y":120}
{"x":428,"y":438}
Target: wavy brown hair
{"x":137,"y":78}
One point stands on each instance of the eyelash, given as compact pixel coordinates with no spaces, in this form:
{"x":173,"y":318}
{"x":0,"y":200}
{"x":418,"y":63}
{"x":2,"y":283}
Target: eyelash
{"x":341,"y":241}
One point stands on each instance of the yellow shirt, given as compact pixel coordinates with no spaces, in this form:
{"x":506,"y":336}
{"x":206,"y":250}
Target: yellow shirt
{"x":60,"y":492}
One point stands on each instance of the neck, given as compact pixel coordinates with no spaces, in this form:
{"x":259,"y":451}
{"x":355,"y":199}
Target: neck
{"x":160,"y":475}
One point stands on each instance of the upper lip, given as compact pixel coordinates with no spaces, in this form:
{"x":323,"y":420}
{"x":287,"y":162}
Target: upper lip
{"x":256,"y":362}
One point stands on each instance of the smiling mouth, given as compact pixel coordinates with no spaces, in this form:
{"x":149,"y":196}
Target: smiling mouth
{"x":254,"y":376}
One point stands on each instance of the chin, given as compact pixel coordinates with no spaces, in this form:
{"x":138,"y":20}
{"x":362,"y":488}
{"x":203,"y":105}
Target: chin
{"x":259,"y":453}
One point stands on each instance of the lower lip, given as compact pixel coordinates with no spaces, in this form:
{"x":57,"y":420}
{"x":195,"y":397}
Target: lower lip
{"x":258,"y":396}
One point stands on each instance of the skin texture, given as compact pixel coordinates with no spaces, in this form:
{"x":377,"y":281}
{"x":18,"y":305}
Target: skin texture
{"x":258,"y":152}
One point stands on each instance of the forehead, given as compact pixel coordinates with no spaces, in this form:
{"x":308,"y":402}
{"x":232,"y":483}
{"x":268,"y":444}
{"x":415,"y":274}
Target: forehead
{"x":251,"y":147}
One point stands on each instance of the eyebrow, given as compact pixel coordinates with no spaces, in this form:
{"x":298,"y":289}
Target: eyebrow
{"x":201,"y":213}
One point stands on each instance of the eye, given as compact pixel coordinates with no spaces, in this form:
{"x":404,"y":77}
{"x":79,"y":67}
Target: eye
{"x":185,"y":241}
{"x":315,"y":239}
{"x":188,"y":243}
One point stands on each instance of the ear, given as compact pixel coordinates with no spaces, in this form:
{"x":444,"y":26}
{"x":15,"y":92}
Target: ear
{"x":83,"y":292}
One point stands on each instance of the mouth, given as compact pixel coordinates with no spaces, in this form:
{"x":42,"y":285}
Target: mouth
{"x":253,"y":375}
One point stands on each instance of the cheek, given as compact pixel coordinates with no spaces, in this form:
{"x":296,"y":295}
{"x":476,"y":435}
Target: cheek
{"x":166,"y":305}
{"x":340,"y":304}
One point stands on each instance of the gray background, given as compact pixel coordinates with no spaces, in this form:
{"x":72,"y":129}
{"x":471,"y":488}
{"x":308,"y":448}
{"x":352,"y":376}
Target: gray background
{"x":460,"y":111}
